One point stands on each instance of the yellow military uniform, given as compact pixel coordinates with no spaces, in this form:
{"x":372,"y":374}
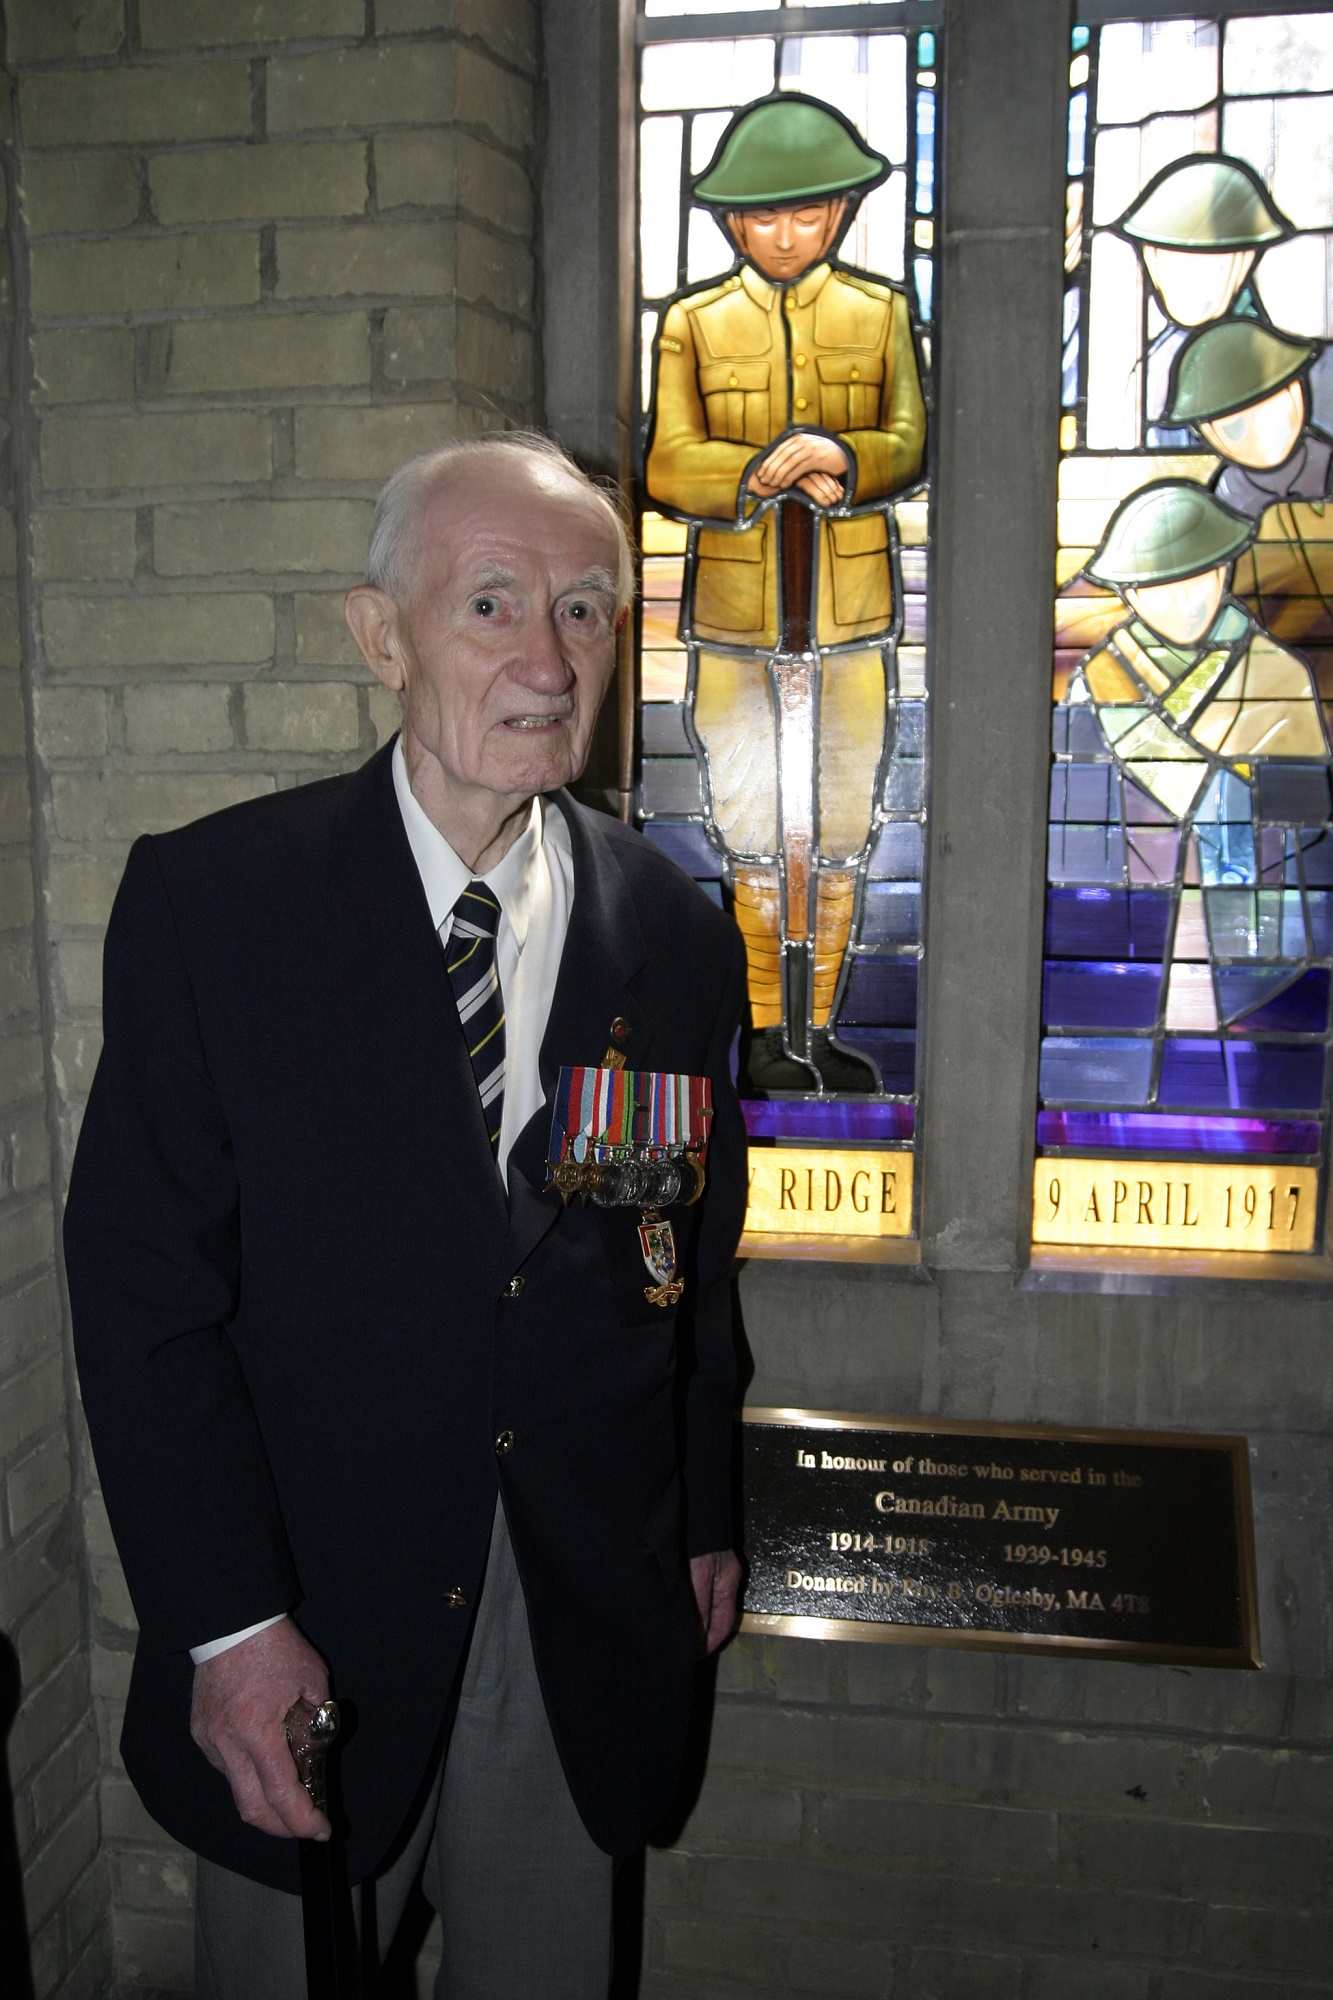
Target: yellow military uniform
{"x":1286,"y":579}
{"x":740,"y":363}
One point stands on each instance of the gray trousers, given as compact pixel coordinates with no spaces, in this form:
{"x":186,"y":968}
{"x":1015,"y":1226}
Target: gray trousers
{"x":523,"y":1893}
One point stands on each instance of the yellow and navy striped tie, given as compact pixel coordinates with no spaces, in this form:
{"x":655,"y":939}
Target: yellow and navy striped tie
{"x":470,"y":956}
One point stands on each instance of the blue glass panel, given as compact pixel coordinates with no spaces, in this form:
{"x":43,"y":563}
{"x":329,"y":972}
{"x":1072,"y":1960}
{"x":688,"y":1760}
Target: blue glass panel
{"x":774,"y":1118}
{"x":894,"y":1049}
{"x":897,"y":855}
{"x":1299,"y":1008}
{"x":881,"y":991}
{"x":925,"y":158}
{"x":923,"y":271}
{"x":671,"y":785}
{"x":1297,"y":793}
{"x":1085,"y":738}
{"x":925,"y":50}
{"x":911,"y":738}
{"x":1319,"y":908}
{"x":1107,"y":923}
{"x":1242,"y":1076}
{"x":905,"y":786}
{"x":891,"y":913}
{"x":1076,"y":994}
{"x":1078,"y":132}
{"x":1087,"y":854}
{"x":1150,"y":1131}
{"x":1089,"y":794}
{"x":1095,"y":1070}
{"x":1079,"y":39}
{"x":688,"y":846}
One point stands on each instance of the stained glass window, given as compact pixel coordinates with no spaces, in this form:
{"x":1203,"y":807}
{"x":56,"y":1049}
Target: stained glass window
{"x":788,"y":191}
{"x":1189,"y":924}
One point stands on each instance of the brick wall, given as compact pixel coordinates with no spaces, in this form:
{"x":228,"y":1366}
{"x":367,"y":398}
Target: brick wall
{"x":268,"y":249}
{"x":53,"y":1880}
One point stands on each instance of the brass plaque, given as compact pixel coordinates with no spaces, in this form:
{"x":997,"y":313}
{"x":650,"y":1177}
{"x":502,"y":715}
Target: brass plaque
{"x":829,"y":1191}
{"x":1132,"y":1544}
{"x":1174,"y":1204}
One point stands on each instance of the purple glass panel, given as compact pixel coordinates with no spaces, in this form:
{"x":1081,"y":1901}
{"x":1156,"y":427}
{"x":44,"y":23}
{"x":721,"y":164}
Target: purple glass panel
{"x":773,"y":1119}
{"x":894,"y":1049}
{"x":1076,"y":994}
{"x":1317,"y":859}
{"x":688,"y":846}
{"x":1299,"y":1009}
{"x":1088,"y":793}
{"x":1141,"y":810}
{"x":1242,"y":1076}
{"x":897,"y":855}
{"x":914,"y":619}
{"x":1146,"y":1131}
{"x":881,"y":991}
{"x":1107,"y":923}
{"x":1320,"y":906}
{"x":1097,"y":1069}
{"x":891,"y":913}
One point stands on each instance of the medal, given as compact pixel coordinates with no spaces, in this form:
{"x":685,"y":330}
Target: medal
{"x":658,"y":1244}
{"x":630,"y":1138}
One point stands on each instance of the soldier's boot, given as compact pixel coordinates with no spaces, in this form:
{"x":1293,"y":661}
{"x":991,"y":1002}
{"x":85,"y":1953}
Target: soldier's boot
{"x":840,"y":1068}
{"x":765,"y":1065}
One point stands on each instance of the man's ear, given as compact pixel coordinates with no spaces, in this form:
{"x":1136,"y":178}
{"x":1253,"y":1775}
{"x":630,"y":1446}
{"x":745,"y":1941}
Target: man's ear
{"x":372,"y":619}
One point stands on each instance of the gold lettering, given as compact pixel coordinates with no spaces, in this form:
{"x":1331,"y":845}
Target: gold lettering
{"x":1191,"y":1221}
{"x":831,"y":1180}
{"x":1119,"y":1196}
{"x":861,"y":1203}
{"x":1145,"y":1202}
{"x":787,"y":1198}
{"x":1092,"y":1213}
{"x":888,"y":1193}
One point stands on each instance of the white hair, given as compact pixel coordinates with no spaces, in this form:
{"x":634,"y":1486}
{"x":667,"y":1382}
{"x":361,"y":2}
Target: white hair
{"x":395,"y":527}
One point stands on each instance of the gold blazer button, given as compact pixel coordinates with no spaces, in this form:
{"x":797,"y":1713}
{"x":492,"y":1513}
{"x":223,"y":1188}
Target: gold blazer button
{"x":514,"y":1288}
{"x":504,"y":1443}
{"x":455,"y":1599}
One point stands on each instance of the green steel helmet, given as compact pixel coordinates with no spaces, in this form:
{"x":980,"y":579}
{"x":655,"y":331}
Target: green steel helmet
{"x":1206,"y":202}
{"x":786,"y":149}
{"x":1230,"y":365}
{"x":1167,"y":531}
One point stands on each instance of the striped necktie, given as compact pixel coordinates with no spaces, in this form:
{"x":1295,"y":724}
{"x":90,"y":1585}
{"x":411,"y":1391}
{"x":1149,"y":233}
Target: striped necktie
{"x":470,"y":956}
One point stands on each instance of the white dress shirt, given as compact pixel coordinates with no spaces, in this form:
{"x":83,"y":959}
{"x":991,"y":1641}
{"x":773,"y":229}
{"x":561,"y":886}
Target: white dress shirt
{"x":534,"y":886}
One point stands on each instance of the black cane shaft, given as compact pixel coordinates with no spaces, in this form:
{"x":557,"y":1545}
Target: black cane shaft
{"x":330,"y":1958}
{"x":797,"y":532}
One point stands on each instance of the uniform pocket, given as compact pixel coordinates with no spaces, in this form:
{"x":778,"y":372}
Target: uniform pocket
{"x":729,"y":580}
{"x":736,"y":400}
{"x":850,"y":386}
{"x":862,"y":587}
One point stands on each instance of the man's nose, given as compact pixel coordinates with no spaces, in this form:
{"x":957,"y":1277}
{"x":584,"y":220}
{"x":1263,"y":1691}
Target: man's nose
{"x":785,"y":235}
{"x":542,"y":665}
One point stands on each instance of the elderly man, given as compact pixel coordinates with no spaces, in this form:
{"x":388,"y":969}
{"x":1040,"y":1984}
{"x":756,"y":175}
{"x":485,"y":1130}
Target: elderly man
{"x":371,"y":1404}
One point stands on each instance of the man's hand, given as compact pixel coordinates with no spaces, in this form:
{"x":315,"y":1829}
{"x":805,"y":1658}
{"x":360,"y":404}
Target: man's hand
{"x":241,"y":1698}
{"x":716,"y":1580}
{"x":818,"y":465}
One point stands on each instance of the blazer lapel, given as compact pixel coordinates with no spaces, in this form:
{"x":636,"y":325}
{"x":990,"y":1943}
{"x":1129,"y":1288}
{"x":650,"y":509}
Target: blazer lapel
{"x":604,"y":949}
{"x":394,"y":983}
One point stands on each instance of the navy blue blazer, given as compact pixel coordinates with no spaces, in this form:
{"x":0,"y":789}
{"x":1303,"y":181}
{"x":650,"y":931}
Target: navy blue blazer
{"x":288,"y":1258}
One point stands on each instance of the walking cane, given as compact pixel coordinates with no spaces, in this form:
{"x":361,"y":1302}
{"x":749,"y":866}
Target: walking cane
{"x":326,"y":1899}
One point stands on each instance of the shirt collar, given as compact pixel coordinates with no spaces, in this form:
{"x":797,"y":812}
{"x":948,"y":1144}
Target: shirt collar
{"x":764,"y":293}
{"x":444,"y":877}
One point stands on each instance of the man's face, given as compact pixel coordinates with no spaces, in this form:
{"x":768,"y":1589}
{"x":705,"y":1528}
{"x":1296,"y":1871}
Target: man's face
{"x":1265,"y":434}
{"x":506,"y":646}
{"x":1181,"y":612}
{"x":1196,"y":285}
{"x":783,"y":242}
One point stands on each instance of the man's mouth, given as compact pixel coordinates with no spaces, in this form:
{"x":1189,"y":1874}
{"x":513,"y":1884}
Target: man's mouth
{"x":535,"y":721}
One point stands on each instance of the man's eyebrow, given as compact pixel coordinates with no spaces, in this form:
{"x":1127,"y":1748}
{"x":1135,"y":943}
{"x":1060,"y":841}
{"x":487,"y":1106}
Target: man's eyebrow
{"x":491,"y":576}
{"x":598,"y":578}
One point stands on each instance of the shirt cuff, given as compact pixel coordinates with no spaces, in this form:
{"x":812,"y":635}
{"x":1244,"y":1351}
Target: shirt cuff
{"x":215,"y":1646}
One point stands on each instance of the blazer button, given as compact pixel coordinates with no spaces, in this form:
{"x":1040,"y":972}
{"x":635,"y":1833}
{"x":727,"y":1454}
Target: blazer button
{"x":799,"y":359}
{"x":455,"y":1599}
{"x":504,"y":1443}
{"x":800,"y":402}
{"x":619,"y":1028}
{"x":515,"y":1286}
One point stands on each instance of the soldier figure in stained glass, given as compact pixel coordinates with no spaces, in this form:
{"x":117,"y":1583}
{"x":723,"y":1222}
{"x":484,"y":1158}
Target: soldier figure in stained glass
{"x":1246,"y":390}
{"x":787,"y":409}
{"x":1198,"y":227}
{"x":1219,"y":724}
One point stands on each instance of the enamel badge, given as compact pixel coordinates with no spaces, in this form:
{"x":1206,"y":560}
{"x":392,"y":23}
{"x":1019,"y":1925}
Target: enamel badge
{"x":658,"y":1244}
